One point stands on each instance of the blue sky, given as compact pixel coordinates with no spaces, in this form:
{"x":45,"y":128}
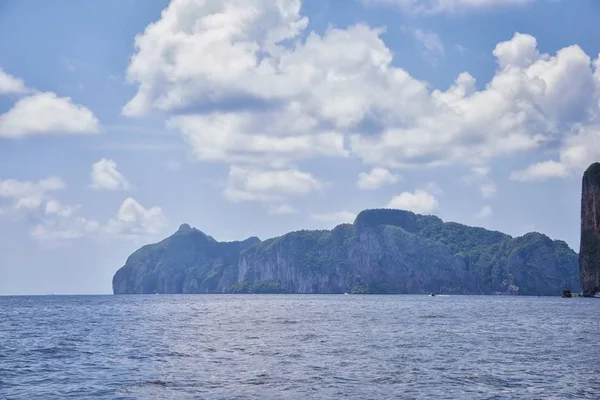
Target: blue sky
{"x":119,"y":121}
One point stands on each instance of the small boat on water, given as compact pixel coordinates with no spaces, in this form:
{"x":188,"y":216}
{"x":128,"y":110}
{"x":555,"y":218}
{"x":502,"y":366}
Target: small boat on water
{"x":567,"y":294}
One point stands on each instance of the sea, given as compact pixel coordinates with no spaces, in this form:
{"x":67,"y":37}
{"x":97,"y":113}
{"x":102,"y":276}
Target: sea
{"x":299,"y":347}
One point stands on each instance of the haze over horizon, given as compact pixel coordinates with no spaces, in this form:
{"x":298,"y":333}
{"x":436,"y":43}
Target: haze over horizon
{"x":121,"y":121}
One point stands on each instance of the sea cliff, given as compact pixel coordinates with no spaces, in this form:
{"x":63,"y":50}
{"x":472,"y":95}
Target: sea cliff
{"x":589,"y":251}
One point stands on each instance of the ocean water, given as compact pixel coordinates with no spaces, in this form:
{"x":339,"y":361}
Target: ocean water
{"x":299,"y":347}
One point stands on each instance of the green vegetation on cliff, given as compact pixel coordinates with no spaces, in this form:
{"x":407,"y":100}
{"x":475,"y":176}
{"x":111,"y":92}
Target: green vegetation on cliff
{"x":383,"y":251}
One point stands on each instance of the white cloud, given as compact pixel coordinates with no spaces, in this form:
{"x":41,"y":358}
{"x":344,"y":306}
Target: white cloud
{"x":27,"y":195}
{"x":306,"y":96}
{"x":419,"y":201}
{"x":259,"y":101}
{"x":54,"y":207}
{"x":52,"y":183}
{"x":581,"y":149}
{"x":245,"y":137}
{"x":58,"y":230}
{"x":61,"y":222}
{"x":246,"y":184}
{"x":106,"y":176}
{"x":578,"y":151}
{"x":10,"y":84}
{"x":376,"y":178}
{"x":132,"y":221}
{"x":485,"y":212}
{"x":431,"y":41}
{"x":339,"y":217}
{"x":448,"y":6}
{"x":540,"y":171}
{"x":488,"y":190}
{"x":232,"y":32}
{"x":520,"y":52}
{"x":281,"y":209}
{"x":478,"y":173}
{"x":527,"y":103}
{"x":46,"y":113}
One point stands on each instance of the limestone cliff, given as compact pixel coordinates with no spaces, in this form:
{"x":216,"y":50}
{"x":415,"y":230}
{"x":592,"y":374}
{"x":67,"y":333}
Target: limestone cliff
{"x":383,"y":251}
{"x":589,"y":251}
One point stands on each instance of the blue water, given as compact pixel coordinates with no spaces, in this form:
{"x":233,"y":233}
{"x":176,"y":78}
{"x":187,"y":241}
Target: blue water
{"x":299,"y":347}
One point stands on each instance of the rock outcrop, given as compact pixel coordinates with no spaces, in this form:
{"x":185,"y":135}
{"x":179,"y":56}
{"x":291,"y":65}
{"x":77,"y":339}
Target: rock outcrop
{"x":383,"y":251}
{"x":589,"y":251}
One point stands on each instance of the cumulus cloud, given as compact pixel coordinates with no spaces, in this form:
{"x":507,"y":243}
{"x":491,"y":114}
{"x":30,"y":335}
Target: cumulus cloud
{"x":46,"y":113}
{"x":338,"y":217}
{"x":273,"y":93}
{"x":279,"y":102}
{"x":577,"y":152}
{"x":58,"y":221}
{"x":376,"y":178}
{"x":520,"y":52}
{"x":419,"y":201}
{"x":106,"y":176}
{"x":581,"y":149}
{"x":232,"y":32}
{"x":132,"y":221}
{"x":10,"y":84}
{"x":28,"y":195}
{"x":527,"y":103}
{"x":248,"y":184}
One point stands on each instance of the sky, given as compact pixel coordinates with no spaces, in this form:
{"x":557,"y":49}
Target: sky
{"x":119,"y":121}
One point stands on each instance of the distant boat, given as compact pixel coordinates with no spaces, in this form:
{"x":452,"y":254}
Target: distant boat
{"x":567,"y":294}
{"x":346,"y":294}
{"x":432,"y":294}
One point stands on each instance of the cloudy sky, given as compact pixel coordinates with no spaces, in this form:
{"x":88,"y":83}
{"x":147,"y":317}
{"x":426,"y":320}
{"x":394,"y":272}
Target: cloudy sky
{"x":121,"y":120}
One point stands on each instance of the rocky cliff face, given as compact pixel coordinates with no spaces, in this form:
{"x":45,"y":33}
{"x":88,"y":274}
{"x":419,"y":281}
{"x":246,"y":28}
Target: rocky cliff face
{"x":383,"y":251}
{"x":589,"y":251}
{"x":189,"y":261}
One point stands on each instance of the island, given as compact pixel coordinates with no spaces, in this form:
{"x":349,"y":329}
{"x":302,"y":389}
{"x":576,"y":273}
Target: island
{"x":384,"y":251}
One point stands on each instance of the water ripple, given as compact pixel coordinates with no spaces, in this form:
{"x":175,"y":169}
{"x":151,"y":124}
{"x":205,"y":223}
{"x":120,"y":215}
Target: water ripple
{"x":309,"y":347}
